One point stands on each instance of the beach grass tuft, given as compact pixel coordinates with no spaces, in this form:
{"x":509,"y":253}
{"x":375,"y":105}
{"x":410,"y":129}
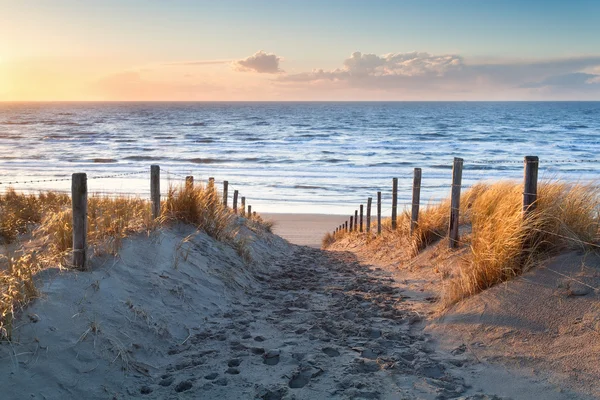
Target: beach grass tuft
{"x":498,"y":243}
{"x":36,"y":232}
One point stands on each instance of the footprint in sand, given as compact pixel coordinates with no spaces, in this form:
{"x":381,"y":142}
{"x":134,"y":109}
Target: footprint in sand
{"x":183,"y":386}
{"x":331,"y":352}
{"x":271,"y":357}
{"x":234,"y":362}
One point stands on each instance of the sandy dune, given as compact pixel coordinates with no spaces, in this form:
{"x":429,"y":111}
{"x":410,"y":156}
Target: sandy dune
{"x":181,"y":316}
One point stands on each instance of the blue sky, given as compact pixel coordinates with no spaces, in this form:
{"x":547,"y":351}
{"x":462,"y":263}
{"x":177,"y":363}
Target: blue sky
{"x":109,"y":38}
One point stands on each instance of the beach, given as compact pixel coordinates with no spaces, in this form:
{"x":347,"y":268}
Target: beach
{"x":304,"y":229}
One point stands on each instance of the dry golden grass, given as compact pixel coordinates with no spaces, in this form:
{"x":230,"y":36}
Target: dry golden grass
{"x":18,"y":212}
{"x":501,"y":244}
{"x":200,"y":206}
{"x":44,"y":223}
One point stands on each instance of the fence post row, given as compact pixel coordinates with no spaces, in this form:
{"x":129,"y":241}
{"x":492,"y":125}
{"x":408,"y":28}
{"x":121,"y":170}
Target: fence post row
{"x":80,"y":224}
{"x":235,"y":197}
{"x":455,"y":202}
{"x":243,"y":207}
{"x":155,"y":190}
{"x":394,"y":202}
{"x":379,"y":213}
{"x":189,"y":181}
{"x":416,"y":198}
{"x":360,"y":226}
{"x":225,"y":187}
{"x":530,"y":185}
{"x":369,"y":200}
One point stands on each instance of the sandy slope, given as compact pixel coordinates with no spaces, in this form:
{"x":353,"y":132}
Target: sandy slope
{"x":537,"y":336}
{"x":178,"y":316}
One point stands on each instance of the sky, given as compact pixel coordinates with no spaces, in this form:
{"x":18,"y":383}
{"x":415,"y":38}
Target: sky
{"x":288,"y":50}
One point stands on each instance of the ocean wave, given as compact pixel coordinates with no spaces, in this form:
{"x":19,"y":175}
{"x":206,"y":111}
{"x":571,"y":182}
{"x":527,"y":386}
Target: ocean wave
{"x":143,"y":158}
{"x":205,"y":160}
{"x":103,"y":160}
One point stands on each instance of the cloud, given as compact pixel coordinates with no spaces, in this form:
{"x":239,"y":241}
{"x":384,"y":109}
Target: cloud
{"x":260,"y":62}
{"x":450,"y":75}
{"x":400,"y":65}
{"x":572,"y":79}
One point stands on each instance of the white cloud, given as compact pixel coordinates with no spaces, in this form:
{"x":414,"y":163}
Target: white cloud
{"x":260,"y":62}
{"x":451,"y":74}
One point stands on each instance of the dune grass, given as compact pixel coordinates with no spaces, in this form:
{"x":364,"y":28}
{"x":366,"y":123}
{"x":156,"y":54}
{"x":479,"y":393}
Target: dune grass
{"x":501,"y":244}
{"x":36,"y":232}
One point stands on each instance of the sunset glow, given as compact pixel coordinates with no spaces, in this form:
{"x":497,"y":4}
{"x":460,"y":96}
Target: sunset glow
{"x":234,"y":50}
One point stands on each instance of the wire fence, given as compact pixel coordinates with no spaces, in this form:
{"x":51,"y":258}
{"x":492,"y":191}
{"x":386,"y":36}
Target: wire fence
{"x":475,"y":177}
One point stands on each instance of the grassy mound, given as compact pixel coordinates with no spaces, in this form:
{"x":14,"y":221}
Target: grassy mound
{"x":36,"y":232}
{"x":499,"y":243}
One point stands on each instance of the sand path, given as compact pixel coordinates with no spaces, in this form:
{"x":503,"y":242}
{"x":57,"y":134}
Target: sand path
{"x":322,"y":326}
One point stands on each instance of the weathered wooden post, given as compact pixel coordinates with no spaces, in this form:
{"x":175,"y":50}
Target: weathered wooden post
{"x":416,"y":199}
{"x":211,"y":183}
{"x":346,"y":226}
{"x":225,"y":188}
{"x":394,"y":202}
{"x":530,"y":185}
{"x":360,"y":226}
{"x":80,"y":223}
{"x":455,"y":202}
{"x":155,"y":190}
{"x":243,"y":207}
{"x":351,"y":223}
{"x":379,"y":213}
{"x":355,"y":220}
{"x":235,"y":197}
{"x":189,"y":181}
{"x":369,"y":200}
{"x":249,"y":211}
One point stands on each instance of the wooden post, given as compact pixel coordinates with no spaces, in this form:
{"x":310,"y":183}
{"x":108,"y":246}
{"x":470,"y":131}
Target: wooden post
{"x":346,"y":226}
{"x":225,"y":187}
{"x":355,"y":220}
{"x":530,"y":185}
{"x":80,"y":223}
{"x":360,"y":226}
{"x":189,"y":181}
{"x":379,"y":213}
{"x":455,"y":202}
{"x":416,"y":199}
{"x":369,"y":200}
{"x":155,"y":190}
{"x":211,"y":182}
{"x":235,"y":196}
{"x":351,"y":223}
{"x":394,"y":202}
{"x":249,"y":212}
{"x":254,"y":214}
{"x":243,"y":207}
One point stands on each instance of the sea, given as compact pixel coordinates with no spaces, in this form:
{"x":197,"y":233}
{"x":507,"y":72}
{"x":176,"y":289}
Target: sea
{"x":295,"y":157}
